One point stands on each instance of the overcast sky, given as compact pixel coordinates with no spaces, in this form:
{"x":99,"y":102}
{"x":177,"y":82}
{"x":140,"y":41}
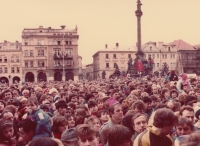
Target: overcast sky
{"x":103,"y":22}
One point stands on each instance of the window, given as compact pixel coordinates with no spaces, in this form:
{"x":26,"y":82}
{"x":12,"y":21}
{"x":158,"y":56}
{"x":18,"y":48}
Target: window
{"x":129,"y":55}
{"x":40,"y":42}
{"x":31,"y":63}
{"x":25,"y":52}
{"x":158,"y":65}
{"x":1,"y":70}
{"x":107,"y":55}
{"x":69,"y":52}
{"x":5,"y":59}
{"x":169,"y":49}
{"x":157,"y":55}
{"x":66,"y":42}
{"x":150,"y":48}
{"x":40,"y":52}
{"x":5,"y":70}
{"x":114,"y":56}
{"x":57,"y":63}
{"x":17,"y":59}
{"x":31,"y":42}
{"x":31,"y":52}
{"x":12,"y":59}
{"x":40,"y":63}
{"x":12,"y":70}
{"x":54,"y":42}
{"x":0,"y":59}
{"x":26,"y":42}
{"x":58,"y":43}
{"x":165,"y":55}
{"x":149,"y":55}
{"x":107,"y":65}
{"x":70,"y":42}
{"x":18,"y":70}
{"x":26,"y":63}
{"x":153,"y":55}
{"x":114,"y":65}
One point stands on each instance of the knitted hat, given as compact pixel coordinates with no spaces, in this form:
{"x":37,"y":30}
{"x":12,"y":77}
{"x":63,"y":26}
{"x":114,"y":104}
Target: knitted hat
{"x":53,"y":90}
{"x":146,"y":99}
{"x":61,"y":103}
{"x":69,"y":135}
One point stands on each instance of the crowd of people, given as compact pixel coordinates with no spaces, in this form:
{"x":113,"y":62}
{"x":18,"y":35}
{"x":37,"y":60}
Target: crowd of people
{"x":125,"y":111}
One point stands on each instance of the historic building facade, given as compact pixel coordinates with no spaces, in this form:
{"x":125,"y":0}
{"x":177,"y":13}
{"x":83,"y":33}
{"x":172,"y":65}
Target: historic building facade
{"x":89,"y":72}
{"x":50,"y":54}
{"x":161,"y":53}
{"x":10,"y":62}
{"x":105,"y":60}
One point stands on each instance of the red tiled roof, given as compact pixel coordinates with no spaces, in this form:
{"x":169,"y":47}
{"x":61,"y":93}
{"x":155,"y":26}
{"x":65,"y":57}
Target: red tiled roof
{"x":182,"y":45}
{"x":197,"y":46}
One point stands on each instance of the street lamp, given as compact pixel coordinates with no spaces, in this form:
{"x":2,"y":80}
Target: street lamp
{"x":63,"y":60}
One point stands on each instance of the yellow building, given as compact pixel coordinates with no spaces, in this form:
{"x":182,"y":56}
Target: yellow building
{"x":105,"y":60}
{"x":50,"y":54}
{"x":10,"y":62}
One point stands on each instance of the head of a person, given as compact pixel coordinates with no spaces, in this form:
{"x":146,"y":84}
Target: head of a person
{"x":73,"y":98}
{"x":86,"y":135}
{"x":59,"y":124}
{"x":61,"y":107}
{"x":27,"y":130}
{"x":147,"y":101}
{"x":164,"y":119}
{"x":7,"y":130}
{"x":2,"y":105}
{"x":7,"y":115}
{"x":138,"y":106}
{"x":115,"y":94}
{"x":93,"y":122}
{"x":173,"y":93}
{"x":139,"y":122}
{"x":69,"y":137}
{"x":183,"y":76}
{"x":154,"y":100}
{"x":116,"y":112}
{"x":184,"y":126}
{"x":71,"y":121}
{"x":7,"y":94}
{"x":92,"y":106}
{"x":165,"y":93}
{"x":154,"y":89}
{"x":31,"y":104}
{"x":103,"y":116}
{"x":119,"y":135}
{"x":187,"y":112}
{"x":25,"y":93}
{"x":45,"y":141}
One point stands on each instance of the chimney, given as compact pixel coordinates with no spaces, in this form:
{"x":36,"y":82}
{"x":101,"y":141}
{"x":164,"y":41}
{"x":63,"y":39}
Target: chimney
{"x":63,"y":26}
{"x":40,"y":26}
{"x":49,"y":27}
{"x":106,"y":46}
{"x":160,"y":44}
{"x":5,"y":41}
{"x":117,"y":45}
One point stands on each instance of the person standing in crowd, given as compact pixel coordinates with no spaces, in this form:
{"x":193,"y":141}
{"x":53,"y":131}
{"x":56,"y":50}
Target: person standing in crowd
{"x":163,"y":123}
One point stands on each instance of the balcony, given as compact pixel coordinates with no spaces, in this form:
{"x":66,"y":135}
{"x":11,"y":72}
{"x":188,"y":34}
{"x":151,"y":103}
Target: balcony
{"x":60,"y":57}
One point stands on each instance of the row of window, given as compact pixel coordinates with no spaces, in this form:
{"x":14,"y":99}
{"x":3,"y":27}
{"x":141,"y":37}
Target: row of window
{"x":13,"y":70}
{"x":164,"y":56}
{"x":115,"y":55}
{"x":42,"y":42}
{"x":169,"y":48}
{"x":13,"y":59}
{"x":42,"y":63}
{"x":30,"y":53}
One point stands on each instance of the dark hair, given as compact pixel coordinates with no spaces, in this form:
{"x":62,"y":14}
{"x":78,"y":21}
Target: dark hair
{"x":27,"y":125}
{"x":72,"y":95}
{"x":182,"y":121}
{"x":57,"y":120}
{"x":139,"y":104}
{"x":164,"y":117}
{"x":88,"y":97}
{"x":187,"y":107}
{"x":43,"y":141}
{"x":118,"y":134}
{"x":84,"y":131}
{"x":127,"y":121}
{"x":112,"y":108}
{"x":92,"y":103}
